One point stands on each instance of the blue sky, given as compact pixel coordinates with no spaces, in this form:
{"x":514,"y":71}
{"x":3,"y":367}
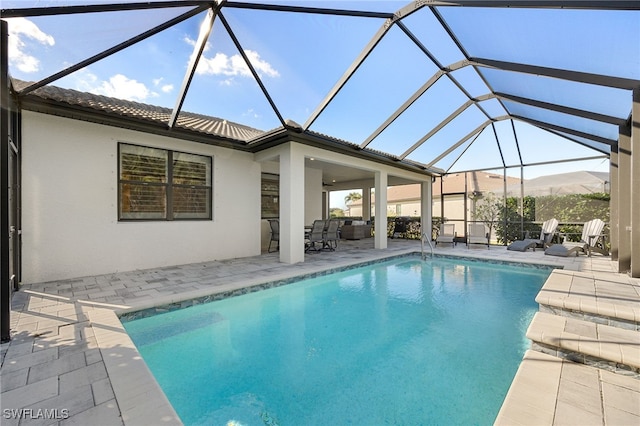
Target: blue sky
{"x":299,"y":58}
{"x":152,"y":71}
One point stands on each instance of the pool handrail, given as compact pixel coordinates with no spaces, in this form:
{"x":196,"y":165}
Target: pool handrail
{"x":426,"y":238}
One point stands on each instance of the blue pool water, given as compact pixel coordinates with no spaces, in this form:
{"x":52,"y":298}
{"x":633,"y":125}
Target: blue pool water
{"x":398,"y":342}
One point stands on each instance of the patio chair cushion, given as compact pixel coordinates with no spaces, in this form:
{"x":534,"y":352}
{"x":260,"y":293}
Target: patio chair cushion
{"x":564,"y":250}
{"x":523,"y":245}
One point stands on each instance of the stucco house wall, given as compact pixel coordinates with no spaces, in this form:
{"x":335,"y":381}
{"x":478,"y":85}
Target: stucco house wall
{"x":411,"y":208}
{"x":70,"y":224}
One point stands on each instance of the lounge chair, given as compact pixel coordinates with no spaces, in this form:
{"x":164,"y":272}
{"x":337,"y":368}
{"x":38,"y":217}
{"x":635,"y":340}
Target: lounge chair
{"x":316,"y":235}
{"x":592,"y":239}
{"x":447,"y":234}
{"x":477,"y":234}
{"x":546,"y":234}
{"x":275,"y":234}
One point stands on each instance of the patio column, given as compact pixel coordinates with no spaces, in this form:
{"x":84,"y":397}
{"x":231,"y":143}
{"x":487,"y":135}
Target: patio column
{"x":635,"y":184}
{"x":381,"y":182}
{"x":292,"y":204}
{"x":426,"y":214}
{"x":614,"y":210}
{"x":366,"y":203}
{"x":624,"y":199}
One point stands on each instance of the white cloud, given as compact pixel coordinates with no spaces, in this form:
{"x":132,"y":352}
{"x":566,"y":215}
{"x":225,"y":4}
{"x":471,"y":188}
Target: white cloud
{"x":232,"y":66}
{"x":251,"y":113}
{"x":19,"y":29}
{"x":122,"y":87}
{"x":192,"y":42}
{"x":165,"y":88}
{"x":261,"y":66}
{"x":118,"y":86}
{"x":218,"y":65}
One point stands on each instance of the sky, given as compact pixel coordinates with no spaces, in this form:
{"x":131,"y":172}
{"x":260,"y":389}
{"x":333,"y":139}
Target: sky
{"x":300,"y":57}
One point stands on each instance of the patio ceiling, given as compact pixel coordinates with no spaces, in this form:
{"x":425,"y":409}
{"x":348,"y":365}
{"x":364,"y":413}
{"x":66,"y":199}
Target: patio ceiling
{"x":490,"y":84}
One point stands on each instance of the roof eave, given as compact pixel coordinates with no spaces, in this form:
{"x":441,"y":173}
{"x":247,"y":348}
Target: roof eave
{"x":77,"y":112}
{"x":282,"y":135}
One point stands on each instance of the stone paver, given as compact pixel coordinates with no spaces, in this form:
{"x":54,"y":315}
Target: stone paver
{"x":69,"y":351}
{"x":548,"y":390}
{"x":608,"y":347}
{"x":611,"y":299}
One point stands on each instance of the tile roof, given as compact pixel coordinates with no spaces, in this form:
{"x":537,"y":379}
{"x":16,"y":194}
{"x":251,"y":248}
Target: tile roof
{"x":475,"y":182}
{"x":209,"y":128}
{"x":453,"y":183}
{"x":112,"y":106}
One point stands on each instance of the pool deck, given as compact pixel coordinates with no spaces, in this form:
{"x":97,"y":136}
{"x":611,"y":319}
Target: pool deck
{"x":69,"y":354}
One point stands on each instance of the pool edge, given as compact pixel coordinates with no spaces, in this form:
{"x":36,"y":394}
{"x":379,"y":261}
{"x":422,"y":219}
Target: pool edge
{"x":136,"y":391}
{"x":151,"y":391}
{"x":185,"y":300}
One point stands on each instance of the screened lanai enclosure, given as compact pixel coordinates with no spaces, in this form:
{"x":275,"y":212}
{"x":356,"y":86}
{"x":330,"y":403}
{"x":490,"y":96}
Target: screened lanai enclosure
{"x":512,"y":91}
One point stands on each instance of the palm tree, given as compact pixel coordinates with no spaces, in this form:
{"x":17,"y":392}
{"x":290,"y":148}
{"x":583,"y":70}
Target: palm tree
{"x":351,"y":197}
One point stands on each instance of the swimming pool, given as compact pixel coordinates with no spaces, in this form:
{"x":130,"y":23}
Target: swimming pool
{"x":397,"y":342}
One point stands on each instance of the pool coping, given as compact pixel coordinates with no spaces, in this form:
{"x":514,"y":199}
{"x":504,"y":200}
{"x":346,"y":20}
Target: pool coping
{"x":150,"y":400}
{"x":140,"y":398}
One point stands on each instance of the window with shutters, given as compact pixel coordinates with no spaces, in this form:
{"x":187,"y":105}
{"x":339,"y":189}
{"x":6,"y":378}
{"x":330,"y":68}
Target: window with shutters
{"x":160,"y":184}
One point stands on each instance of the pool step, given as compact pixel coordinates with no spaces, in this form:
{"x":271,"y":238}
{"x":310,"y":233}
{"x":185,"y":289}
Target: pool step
{"x":613,"y":301}
{"x":585,"y":342}
{"x":584,"y":366}
{"x":548,"y":390}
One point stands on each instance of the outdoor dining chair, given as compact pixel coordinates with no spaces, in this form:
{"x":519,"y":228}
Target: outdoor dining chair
{"x":275,"y":234}
{"x":331,"y":235}
{"x":315,"y":236}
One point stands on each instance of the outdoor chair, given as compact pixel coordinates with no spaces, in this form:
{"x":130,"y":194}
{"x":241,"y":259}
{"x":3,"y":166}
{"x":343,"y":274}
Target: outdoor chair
{"x":275,"y":234}
{"x":331,"y":235}
{"x":592,"y":239}
{"x":447,"y":234}
{"x":477,"y":234}
{"x":315,"y":236}
{"x":400,"y":226}
{"x":546,"y":234}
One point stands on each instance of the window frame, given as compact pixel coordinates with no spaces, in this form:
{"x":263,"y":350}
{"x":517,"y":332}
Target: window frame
{"x":169,"y":186}
{"x":270,"y":189}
